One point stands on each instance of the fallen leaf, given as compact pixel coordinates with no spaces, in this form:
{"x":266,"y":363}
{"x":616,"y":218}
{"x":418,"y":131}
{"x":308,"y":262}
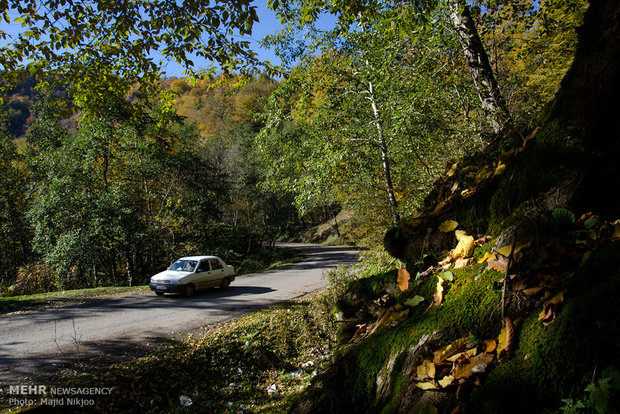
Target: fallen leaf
{"x":506,"y":338}
{"x":505,"y":251}
{"x":549,"y":312}
{"x":474,"y":365}
{"x":414,"y":301}
{"x":465,"y":246}
{"x":454,"y":187}
{"x":490,"y":346}
{"x":449,"y":276}
{"x":452,"y":169}
{"x":446,"y":260}
{"x":464,"y":354}
{"x":483,"y":174}
{"x":448,"y":226}
{"x":426,"y":369}
{"x":533,"y":290}
{"x":501,"y":167}
{"x":449,"y":350}
{"x":438,"y":295}
{"x":484,"y":258}
{"x":446,"y":381}
{"x":499,"y":263}
{"x":426,"y":385}
{"x":403,"y":279}
{"x":616,"y":235}
{"x":461,"y":263}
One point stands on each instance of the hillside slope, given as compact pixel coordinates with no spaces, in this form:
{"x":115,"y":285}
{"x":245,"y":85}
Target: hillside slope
{"x":463,"y":337}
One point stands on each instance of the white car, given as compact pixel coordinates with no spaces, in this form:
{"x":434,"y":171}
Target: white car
{"x":189,"y":274}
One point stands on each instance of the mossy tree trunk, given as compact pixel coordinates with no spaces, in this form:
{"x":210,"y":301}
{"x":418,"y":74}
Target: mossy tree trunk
{"x":586,"y":107}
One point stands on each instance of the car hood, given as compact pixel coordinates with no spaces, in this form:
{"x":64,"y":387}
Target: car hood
{"x":171,"y":275}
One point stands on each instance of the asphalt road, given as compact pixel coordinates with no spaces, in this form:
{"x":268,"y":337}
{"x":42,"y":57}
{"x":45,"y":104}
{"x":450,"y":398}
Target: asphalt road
{"x":41,"y":342}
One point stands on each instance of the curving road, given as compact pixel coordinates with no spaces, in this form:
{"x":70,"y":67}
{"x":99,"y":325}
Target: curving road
{"x":40,"y":342}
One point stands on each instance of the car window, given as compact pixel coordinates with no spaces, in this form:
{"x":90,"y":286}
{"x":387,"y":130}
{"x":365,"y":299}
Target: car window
{"x":215,"y":264}
{"x":203,"y":266}
{"x":184,"y":265}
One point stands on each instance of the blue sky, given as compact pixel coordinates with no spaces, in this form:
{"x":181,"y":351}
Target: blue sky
{"x":267,"y":24}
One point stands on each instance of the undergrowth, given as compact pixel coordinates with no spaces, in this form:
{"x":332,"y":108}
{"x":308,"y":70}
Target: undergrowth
{"x":255,"y":363}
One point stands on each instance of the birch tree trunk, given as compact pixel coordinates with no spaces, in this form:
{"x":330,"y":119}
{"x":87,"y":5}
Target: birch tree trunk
{"x":493,"y":102}
{"x":385,"y":160}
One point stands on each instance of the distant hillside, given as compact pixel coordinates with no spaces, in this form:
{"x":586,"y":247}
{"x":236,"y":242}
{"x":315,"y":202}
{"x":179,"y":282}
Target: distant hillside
{"x":19,"y":101}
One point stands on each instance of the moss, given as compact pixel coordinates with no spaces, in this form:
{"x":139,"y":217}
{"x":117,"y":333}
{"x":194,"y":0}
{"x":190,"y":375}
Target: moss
{"x":550,"y":361}
{"x":467,"y":307}
{"x":550,"y":152}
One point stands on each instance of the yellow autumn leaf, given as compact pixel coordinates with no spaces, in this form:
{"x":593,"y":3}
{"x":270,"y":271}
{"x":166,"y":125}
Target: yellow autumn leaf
{"x":464,"y":354}
{"x":426,"y":369}
{"x":506,"y":337}
{"x":446,"y":381}
{"x":452,"y":169}
{"x":448,"y":226}
{"x":484,"y":258}
{"x":475,"y":365}
{"x":426,"y":385}
{"x":616,"y":235}
{"x":501,"y":167}
{"x":447,"y":351}
{"x":467,"y":192}
{"x":505,"y":251}
{"x":490,"y":346}
{"x":465,"y":246}
{"x":461,"y":263}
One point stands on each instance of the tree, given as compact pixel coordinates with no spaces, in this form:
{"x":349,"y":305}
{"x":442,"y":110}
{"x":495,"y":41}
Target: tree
{"x":14,"y":233}
{"x":103,"y":47}
{"x":531,"y":45}
{"x":361,"y":124}
{"x":491,"y":98}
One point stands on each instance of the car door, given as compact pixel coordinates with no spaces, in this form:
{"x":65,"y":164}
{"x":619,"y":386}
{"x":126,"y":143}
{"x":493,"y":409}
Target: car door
{"x":217,"y":270}
{"x":203,"y":274}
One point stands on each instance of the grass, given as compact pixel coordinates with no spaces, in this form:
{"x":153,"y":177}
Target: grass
{"x":64,"y":298}
{"x":227,"y":368}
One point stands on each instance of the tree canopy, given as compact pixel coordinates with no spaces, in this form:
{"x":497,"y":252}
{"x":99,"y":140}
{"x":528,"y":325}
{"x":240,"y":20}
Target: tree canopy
{"x":105,"y":46}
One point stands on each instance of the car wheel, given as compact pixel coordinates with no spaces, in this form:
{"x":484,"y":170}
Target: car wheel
{"x":189,"y":290}
{"x":159,"y":293}
{"x":225,"y":283}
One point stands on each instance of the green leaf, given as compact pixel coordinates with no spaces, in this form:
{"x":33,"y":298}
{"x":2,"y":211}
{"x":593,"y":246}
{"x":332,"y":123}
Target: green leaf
{"x":562,"y":217}
{"x":414,"y":301}
{"x":588,"y":224}
{"x":447,"y":276}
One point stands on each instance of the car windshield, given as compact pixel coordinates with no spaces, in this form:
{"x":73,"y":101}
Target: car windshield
{"x":182,"y":265}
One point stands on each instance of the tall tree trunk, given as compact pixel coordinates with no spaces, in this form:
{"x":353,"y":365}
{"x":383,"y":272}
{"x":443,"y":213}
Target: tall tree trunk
{"x":129,"y":260}
{"x":385,"y":160}
{"x":586,"y":107}
{"x":493,"y":102}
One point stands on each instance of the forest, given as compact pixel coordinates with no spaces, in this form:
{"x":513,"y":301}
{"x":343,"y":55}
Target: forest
{"x":406,"y":129}
{"x":107,"y":190}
